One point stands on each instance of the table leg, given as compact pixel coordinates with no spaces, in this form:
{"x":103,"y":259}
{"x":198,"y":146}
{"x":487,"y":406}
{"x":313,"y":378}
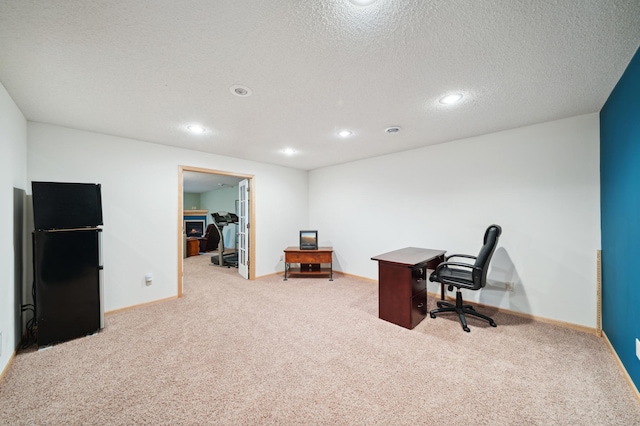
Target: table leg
{"x":331,"y":271}
{"x":286,"y":267}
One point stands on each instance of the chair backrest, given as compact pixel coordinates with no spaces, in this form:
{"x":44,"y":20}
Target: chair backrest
{"x":481,"y":266}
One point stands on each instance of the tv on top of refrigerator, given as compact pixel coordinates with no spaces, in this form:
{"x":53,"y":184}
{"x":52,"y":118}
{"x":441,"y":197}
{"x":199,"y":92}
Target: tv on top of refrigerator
{"x":61,"y":205}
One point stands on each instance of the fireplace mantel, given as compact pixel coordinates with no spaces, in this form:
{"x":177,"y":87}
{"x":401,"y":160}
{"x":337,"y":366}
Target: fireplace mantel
{"x":196,"y":212}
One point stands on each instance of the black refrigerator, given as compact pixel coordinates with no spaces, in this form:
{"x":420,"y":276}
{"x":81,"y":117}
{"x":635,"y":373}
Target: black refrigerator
{"x":67,"y":260}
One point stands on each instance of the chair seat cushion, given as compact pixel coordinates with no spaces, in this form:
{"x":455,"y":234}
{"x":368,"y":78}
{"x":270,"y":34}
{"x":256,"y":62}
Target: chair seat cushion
{"x":454,"y":276}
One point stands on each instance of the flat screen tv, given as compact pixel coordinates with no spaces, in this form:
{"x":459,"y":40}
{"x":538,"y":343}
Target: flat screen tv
{"x":62,"y":205}
{"x":308,"y":240}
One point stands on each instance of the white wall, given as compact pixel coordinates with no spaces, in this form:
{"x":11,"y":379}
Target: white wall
{"x":540,"y":183}
{"x":140,"y":204}
{"x":13,"y":173}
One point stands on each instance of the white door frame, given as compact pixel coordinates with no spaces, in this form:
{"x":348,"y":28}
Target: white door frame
{"x":252,"y":220}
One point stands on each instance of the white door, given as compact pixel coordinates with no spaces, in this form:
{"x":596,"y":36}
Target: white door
{"x":243,"y":228}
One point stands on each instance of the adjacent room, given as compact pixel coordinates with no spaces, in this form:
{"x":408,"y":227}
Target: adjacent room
{"x":223,"y":133}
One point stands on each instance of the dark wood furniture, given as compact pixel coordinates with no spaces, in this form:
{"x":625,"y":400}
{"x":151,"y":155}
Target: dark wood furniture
{"x":310,"y":261}
{"x":193,"y":246}
{"x":402,"y":288}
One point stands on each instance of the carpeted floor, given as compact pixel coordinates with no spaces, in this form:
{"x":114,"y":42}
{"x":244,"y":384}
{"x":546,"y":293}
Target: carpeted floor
{"x":310,"y":351}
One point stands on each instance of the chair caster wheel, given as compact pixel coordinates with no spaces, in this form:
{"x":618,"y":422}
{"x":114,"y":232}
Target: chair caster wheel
{"x":472,"y":308}
{"x":432,"y":315}
{"x":466,"y":329}
{"x":493,"y":324}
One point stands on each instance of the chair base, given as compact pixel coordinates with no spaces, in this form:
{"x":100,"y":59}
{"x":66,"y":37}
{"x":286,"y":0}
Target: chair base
{"x":461,"y":309}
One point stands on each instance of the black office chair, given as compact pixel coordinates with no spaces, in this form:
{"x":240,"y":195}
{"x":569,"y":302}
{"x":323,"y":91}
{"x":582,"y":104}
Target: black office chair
{"x":465,"y":275}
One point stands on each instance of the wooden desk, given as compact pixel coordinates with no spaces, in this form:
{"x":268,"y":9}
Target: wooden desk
{"x":310,"y":262}
{"x":402,"y":288}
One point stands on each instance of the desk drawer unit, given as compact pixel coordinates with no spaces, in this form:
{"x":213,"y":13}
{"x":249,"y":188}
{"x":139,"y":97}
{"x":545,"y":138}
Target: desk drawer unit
{"x":402,"y":295}
{"x":402,"y":284}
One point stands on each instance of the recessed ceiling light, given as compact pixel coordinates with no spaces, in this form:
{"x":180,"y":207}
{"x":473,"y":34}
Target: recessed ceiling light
{"x":196,"y":128}
{"x":240,"y":90}
{"x":288,"y":151}
{"x":362,"y":2}
{"x":451,"y":98}
{"x":392,"y":130}
{"x":344,"y":133}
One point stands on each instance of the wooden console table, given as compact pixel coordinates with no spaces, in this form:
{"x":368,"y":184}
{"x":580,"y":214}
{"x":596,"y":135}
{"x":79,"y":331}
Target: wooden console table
{"x":402,"y":287}
{"x":310,"y":262}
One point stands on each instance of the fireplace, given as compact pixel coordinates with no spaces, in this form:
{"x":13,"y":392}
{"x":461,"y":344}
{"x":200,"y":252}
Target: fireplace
{"x":194,"y":228}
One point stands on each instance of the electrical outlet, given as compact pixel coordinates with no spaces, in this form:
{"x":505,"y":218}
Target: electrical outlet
{"x":148,"y":279}
{"x":508,"y":286}
{"x":637,"y":348}
{"x":281,"y":257}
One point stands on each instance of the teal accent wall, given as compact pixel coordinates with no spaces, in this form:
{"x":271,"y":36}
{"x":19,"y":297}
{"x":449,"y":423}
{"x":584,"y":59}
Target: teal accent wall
{"x":220,"y":199}
{"x":620,"y":216}
{"x":189,"y":200}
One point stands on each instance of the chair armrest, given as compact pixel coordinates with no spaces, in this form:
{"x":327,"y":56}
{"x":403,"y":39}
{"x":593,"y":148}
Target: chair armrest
{"x":468,"y":256}
{"x":457,"y":264}
{"x":444,"y":265}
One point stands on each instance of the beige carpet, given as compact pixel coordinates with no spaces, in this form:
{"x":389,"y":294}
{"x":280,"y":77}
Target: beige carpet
{"x":309,"y":351}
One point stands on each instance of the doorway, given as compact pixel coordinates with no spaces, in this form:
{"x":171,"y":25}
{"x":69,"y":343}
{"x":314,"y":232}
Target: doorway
{"x":250,"y":219}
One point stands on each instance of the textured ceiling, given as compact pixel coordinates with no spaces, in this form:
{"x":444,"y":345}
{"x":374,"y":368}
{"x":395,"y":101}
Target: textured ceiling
{"x":145,"y":69}
{"x":198,"y":182}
